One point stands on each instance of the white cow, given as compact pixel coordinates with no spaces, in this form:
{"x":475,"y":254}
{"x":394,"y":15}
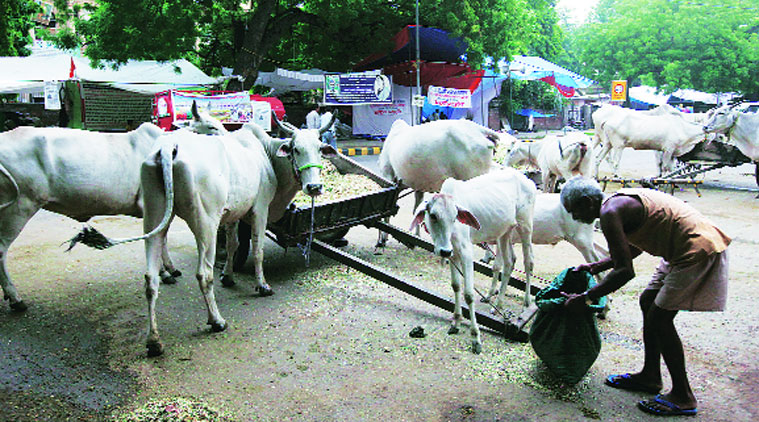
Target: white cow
{"x":422,"y":157}
{"x":73,"y":172}
{"x":484,"y":209}
{"x":669,"y":133}
{"x":524,"y":153}
{"x":742,"y":129}
{"x":209,"y":181}
{"x":564,"y":156}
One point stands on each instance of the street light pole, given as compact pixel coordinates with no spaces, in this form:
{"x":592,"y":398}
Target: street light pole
{"x":418,"y":115}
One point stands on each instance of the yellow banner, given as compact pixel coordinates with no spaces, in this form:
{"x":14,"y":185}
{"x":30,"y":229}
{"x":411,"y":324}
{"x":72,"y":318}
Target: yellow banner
{"x":618,"y":90}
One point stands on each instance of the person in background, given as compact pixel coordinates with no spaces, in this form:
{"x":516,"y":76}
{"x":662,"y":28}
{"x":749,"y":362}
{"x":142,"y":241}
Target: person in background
{"x":313,"y":120}
{"x":328,"y":137}
{"x":692,"y":276}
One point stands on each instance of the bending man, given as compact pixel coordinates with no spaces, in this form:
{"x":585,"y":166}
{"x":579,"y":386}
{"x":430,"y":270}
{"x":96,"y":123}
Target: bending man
{"x":692,"y":276}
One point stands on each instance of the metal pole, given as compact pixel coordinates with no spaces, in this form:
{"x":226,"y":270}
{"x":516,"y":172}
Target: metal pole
{"x":418,"y":115}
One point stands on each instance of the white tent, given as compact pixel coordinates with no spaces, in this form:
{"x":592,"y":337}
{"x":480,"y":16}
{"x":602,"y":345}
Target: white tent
{"x":28,"y":74}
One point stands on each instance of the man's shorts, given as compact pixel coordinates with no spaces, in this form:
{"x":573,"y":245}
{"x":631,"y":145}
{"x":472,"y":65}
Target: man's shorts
{"x":699,"y":286}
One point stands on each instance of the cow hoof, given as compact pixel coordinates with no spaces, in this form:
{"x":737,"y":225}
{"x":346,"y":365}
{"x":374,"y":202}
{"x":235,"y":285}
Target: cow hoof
{"x":169,"y":279}
{"x":227,"y":280}
{"x":264,"y":291}
{"x":453,"y":330}
{"x":176,"y":273}
{"x":155,"y":349}
{"x":380,"y":244}
{"x":476,"y":348}
{"x":19,"y":306}
{"x":217,"y":327}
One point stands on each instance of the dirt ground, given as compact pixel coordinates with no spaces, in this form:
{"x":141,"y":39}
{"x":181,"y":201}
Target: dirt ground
{"x":333,"y":344}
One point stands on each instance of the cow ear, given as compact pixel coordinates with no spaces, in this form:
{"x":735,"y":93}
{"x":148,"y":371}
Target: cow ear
{"x":418,"y":219}
{"x":328,"y":151}
{"x":466,"y":217}
{"x":285,"y":150}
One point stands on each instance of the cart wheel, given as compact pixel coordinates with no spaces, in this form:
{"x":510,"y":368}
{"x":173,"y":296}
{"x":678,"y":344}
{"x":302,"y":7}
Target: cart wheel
{"x":243,"y":237}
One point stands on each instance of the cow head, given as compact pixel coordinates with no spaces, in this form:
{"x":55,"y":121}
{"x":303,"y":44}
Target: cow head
{"x":305,"y":151}
{"x":202,"y":123}
{"x":722,"y":120}
{"x":439,"y":216}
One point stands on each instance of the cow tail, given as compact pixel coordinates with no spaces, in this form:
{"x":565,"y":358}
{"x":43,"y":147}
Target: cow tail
{"x":10,"y":178}
{"x":91,"y":237}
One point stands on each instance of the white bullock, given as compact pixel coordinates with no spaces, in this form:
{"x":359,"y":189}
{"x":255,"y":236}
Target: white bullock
{"x":742,"y":129}
{"x":564,"y":156}
{"x":422,"y":157}
{"x":210,"y":181}
{"x":484,"y":209}
{"x":669,"y":133}
{"x":73,"y":172}
{"x":524,"y":153}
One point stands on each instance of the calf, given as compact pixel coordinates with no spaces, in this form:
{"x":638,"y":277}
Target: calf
{"x":209,"y":181}
{"x":524,"y":153}
{"x":485,"y":209}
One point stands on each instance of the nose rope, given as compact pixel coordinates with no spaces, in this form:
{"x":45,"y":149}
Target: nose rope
{"x":310,"y":165}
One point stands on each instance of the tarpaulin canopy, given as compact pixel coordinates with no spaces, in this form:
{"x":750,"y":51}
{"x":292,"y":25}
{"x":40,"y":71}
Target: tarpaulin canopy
{"x":536,"y":68}
{"x":435,"y":45}
{"x":28,"y":74}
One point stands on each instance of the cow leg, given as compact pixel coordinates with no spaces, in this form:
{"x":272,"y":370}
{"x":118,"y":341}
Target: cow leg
{"x":232,"y":243}
{"x":153,"y":256}
{"x":474,"y":330}
{"x":12,"y":221}
{"x":418,"y":198}
{"x":496,"y":279}
{"x":456,"y":286}
{"x":382,"y":236}
{"x":506,"y":250}
{"x":205,"y":237}
{"x":257,"y":237}
{"x":169,"y":272}
{"x":604,"y":152}
{"x":525,"y":235}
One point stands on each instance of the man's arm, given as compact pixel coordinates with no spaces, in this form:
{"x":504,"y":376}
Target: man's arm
{"x":616,"y":213}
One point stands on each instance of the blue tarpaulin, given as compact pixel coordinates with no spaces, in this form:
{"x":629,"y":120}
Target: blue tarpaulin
{"x":530,"y":112}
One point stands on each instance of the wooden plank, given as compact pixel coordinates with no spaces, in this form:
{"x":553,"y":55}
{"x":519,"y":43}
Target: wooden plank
{"x":433,"y":298}
{"x":347,"y":165}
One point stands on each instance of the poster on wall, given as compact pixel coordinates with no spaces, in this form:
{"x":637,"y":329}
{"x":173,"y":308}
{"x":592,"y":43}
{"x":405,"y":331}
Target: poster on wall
{"x":52,"y":98}
{"x":619,"y":90}
{"x":227,"y":108}
{"x":357,"y":89}
{"x":440,"y":96}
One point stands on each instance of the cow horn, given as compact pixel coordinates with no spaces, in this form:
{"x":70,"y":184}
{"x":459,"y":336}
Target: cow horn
{"x":281,"y":126}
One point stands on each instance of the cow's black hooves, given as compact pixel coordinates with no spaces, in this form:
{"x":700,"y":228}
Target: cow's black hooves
{"x":154,"y":349}
{"x":169,"y":279}
{"x":176,"y":273}
{"x":265,"y":291}
{"x":227,"y":280}
{"x":453,"y":330}
{"x":19,"y":306}
{"x":218,"y":327}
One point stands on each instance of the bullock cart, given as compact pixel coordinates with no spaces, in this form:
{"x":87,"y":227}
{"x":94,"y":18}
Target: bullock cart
{"x":704,"y":157}
{"x":311,"y":228}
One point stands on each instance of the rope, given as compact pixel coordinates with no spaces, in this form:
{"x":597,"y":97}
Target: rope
{"x":306,"y":249}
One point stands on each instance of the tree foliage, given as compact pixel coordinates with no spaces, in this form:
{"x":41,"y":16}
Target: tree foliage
{"x":15,"y":26}
{"x":710,"y":45}
{"x":516,"y":95}
{"x":334,"y":35}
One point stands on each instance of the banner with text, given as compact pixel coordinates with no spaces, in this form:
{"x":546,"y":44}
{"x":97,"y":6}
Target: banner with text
{"x":357,"y":89}
{"x":228,"y":108}
{"x":440,"y":96}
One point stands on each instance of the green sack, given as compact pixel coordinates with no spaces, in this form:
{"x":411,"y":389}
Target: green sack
{"x":568,"y":343}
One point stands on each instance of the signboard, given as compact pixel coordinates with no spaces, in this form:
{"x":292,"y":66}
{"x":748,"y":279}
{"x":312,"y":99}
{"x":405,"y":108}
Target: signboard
{"x":52,"y":99}
{"x":261,"y":111}
{"x":618,"y":90}
{"x":440,"y":96}
{"x":227,"y":108}
{"x":418,"y":101}
{"x":357,"y":89}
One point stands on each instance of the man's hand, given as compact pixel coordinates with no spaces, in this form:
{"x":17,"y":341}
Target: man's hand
{"x":583,"y":267}
{"x":576,"y":303}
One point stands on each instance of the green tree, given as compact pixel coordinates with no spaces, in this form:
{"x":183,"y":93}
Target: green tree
{"x":710,"y":45}
{"x":15,"y":26}
{"x":292,"y":33}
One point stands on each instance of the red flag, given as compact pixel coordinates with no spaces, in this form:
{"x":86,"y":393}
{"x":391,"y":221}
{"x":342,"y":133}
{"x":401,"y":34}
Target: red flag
{"x":566,"y":91}
{"x":72,"y":69}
